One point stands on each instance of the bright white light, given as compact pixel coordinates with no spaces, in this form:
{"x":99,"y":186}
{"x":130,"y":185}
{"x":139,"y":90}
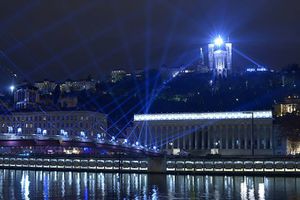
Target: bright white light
{"x":44,"y":132}
{"x":19,"y":130}
{"x":218,"y":41}
{"x":82,"y":134}
{"x":63,"y":132}
{"x":12,"y":88}
{"x":154,"y":147}
{"x":200,"y":116}
{"x":137,"y":143}
{"x":10,"y":129}
{"x":125,"y":141}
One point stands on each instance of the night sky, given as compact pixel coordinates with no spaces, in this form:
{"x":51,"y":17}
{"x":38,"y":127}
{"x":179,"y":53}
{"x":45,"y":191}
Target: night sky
{"x":72,"y":39}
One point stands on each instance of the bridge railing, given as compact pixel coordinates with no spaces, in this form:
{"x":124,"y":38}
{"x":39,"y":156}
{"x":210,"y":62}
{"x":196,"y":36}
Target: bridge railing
{"x":105,"y":164}
{"x":180,"y":165}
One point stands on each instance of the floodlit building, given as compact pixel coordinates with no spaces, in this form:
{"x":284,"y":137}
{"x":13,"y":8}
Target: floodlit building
{"x":117,"y":75}
{"x":220,"y":57}
{"x":53,"y":122}
{"x":291,"y":104}
{"x":26,"y":97}
{"x":45,"y":87}
{"x":78,"y":85}
{"x":226,"y":133}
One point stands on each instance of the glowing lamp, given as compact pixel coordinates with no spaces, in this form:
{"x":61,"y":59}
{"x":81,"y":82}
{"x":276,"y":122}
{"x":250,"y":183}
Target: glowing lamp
{"x":12,"y":88}
{"x":218,"y":41}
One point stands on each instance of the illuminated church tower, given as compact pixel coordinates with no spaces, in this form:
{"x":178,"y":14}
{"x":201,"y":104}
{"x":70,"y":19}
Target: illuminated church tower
{"x":220,"y":57}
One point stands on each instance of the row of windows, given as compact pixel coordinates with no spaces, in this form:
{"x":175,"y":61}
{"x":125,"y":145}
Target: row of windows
{"x":53,"y":125}
{"x":44,"y":118}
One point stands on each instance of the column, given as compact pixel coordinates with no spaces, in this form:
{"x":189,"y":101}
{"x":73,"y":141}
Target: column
{"x":161,"y":137}
{"x":184,"y":133}
{"x":165,"y":132}
{"x":208,"y":137}
{"x":233,"y":137}
{"x":176,"y":133}
{"x":190,"y":137}
{"x":226,"y":136}
{"x":203,"y":130}
{"x":271,"y":136}
{"x":196,"y":136}
{"x":240,"y":136}
{"x":155,"y":135}
{"x":258,"y":136}
{"x":245,"y":136}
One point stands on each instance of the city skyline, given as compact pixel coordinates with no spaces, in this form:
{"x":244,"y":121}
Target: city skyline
{"x":76,"y":39}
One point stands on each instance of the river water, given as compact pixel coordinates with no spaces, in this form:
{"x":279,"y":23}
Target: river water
{"x":23,"y":184}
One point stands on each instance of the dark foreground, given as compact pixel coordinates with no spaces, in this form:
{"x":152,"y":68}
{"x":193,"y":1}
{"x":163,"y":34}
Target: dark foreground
{"x":23,"y":184}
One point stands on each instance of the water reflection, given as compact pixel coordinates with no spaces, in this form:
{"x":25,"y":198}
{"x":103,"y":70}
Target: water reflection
{"x":16,"y":184}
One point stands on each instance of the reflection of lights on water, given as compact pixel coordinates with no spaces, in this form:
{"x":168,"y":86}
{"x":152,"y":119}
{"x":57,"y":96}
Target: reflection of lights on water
{"x":69,"y":178}
{"x":154,"y":193}
{"x":85,"y":185}
{"x":244,"y":189}
{"x":77,"y":177}
{"x":261,"y":191}
{"x":25,"y":185}
{"x":63,"y":184}
{"x":46,"y":185}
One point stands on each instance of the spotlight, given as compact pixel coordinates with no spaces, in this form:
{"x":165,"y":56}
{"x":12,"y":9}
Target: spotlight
{"x":218,"y":41}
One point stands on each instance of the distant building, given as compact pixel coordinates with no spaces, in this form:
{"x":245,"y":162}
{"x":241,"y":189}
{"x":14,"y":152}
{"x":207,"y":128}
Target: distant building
{"x":117,"y":75}
{"x":53,"y":122}
{"x":226,"y":133}
{"x":291,"y":104}
{"x":220,"y":57}
{"x":45,"y":87}
{"x":26,"y":97}
{"x":79,"y":85}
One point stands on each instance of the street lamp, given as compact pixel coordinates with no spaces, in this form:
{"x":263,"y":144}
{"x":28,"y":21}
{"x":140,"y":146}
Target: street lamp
{"x":252,"y":131}
{"x":12,"y":88}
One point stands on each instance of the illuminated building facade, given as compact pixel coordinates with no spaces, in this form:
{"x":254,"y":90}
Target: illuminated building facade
{"x":117,"y":75}
{"x":291,"y":104}
{"x":226,"y":133}
{"x":26,"y":97}
{"x":220,"y":57}
{"x":45,"y":87}
{"x":79,"y":85}
{"x":53,"y":122}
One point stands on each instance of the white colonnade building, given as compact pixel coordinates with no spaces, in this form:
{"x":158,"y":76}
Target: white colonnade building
{"x":227,"y":133}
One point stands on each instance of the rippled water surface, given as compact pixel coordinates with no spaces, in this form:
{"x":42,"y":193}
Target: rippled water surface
{"x":17,"y":184}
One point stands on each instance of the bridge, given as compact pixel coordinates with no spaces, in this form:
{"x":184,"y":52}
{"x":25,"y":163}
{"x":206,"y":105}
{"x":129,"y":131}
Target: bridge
{"x":38,"y":140}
